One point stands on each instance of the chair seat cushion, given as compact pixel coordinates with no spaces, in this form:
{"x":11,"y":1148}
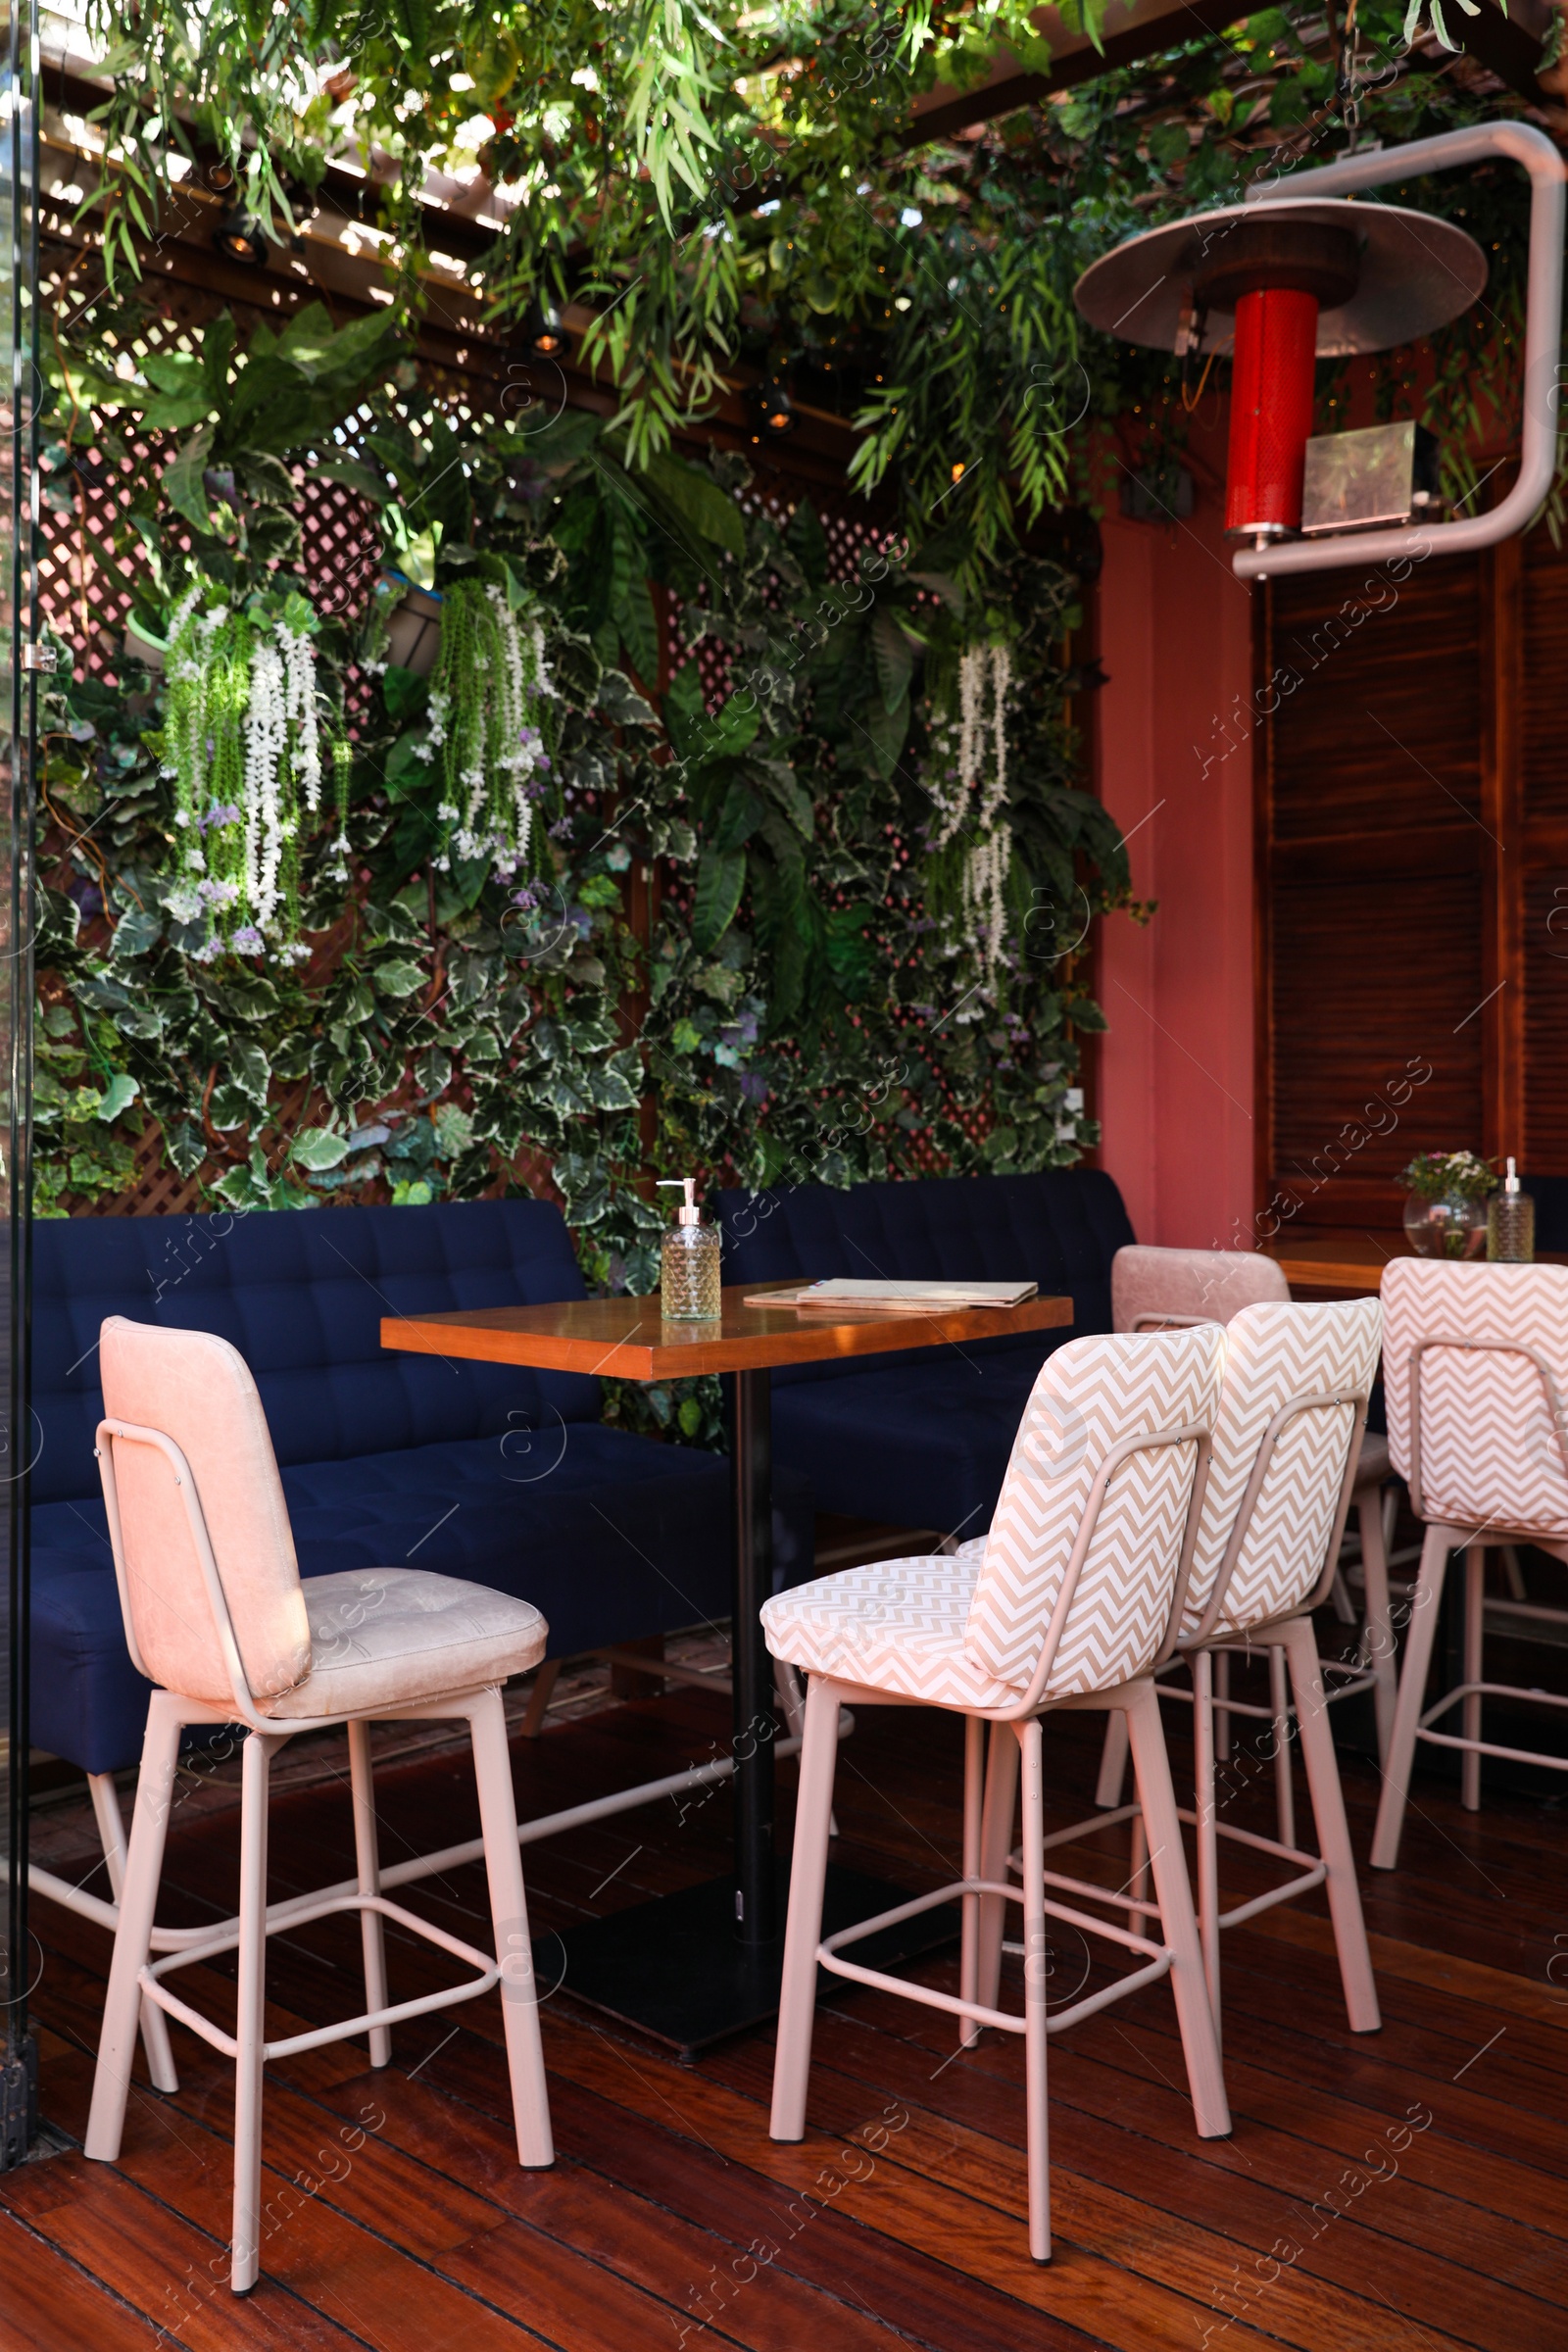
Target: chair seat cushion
{"x":387,"y":1636}
{"x":923,"y":1446}
{"x":609,"y":1535}
{"x":896,"y":1626}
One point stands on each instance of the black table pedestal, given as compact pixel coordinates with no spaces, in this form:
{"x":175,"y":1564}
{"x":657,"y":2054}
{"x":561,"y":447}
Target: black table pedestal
{"x":694,"y":1967}
{"x":675,"y":1968}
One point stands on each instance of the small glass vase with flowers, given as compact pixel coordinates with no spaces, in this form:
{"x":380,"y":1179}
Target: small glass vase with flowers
{"x":1446,"y":1210}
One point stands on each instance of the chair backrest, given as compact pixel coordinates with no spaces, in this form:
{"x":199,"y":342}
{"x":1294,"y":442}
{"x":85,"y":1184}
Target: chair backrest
{"x":1274,"y":1355}
{"x":301,"y":1293}
{"x":197,"y":1390}
{"x":1491,"y":1450}
{"x":1091,"y":1395}
{"x":1204,"y":1284}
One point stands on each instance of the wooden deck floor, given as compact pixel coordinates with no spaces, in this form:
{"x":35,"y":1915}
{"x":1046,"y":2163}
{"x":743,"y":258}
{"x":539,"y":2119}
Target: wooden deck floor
{"x":398,"y":2220}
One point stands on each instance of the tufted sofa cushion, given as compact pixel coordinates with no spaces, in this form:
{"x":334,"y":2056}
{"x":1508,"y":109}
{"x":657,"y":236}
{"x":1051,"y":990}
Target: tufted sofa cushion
{"x":923,"y":1438}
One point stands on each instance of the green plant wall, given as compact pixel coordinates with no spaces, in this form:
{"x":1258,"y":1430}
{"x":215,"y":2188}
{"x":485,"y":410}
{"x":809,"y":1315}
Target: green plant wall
{"x":730,"y":953}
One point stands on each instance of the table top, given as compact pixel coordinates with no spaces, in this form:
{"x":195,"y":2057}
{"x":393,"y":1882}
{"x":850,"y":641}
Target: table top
{"x":627,"y":1339}
{"x":1350,"y":1261}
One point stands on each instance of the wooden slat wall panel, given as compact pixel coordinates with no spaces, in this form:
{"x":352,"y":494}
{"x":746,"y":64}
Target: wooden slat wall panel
{"x":1377,"y":861}
{"x":1544,"y":700}
{"x":1373,"y":987}
{"x":1546,"y":973}
{"x":1384,"y":728}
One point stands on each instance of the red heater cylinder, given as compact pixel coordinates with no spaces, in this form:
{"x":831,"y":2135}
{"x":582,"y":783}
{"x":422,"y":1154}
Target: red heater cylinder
{"x":1271,"y":410}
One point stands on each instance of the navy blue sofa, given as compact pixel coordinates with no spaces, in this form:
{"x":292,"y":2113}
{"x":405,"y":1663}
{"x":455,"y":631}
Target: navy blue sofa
{"x":923,"y":1438}
{"x":495,"y":1473}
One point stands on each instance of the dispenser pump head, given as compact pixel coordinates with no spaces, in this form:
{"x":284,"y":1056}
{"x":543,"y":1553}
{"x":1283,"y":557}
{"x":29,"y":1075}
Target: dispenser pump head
{"x":1510,"y":1182}
{"x":690,"y":1213}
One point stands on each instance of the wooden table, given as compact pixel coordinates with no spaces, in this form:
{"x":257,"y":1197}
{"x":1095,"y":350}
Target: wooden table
{"x":1351,"y":1263}
{"x":693,"y":1967}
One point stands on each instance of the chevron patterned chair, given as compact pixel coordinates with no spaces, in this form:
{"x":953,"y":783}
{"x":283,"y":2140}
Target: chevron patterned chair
{"x":1154,"y":1290}
{"x":1069,"y":1603}
{"x":1476,"y":1371}
{"x":1284,"y":1463}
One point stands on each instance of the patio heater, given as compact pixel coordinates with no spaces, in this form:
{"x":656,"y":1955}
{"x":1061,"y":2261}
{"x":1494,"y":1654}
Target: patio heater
{"x":1302,"y":271}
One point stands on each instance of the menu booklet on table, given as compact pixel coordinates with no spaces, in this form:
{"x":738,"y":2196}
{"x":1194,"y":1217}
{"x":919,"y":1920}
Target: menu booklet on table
{"x":897,"y":1298}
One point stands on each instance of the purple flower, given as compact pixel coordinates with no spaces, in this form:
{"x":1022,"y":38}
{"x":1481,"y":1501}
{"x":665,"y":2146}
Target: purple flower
{"x":754,"y":1088}
{"x":247,"y":941}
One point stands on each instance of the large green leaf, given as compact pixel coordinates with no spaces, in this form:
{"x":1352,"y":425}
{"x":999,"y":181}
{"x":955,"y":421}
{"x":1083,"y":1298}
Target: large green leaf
{"x":720,"y":879}
{"x":699,"y":501}
{"x":739,"y":817}
{"x":355,"y":477}
{"x":183,"y":479}
{"x":895,"y":657}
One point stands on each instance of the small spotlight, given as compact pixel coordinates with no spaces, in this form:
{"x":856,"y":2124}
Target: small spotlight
{"x":241,"y":236}
{"x":544,"y":337}
{"x":775,"y":410}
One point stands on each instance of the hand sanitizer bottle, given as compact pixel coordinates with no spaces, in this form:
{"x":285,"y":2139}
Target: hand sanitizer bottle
{"x":1511,"y":1224}
{"x":687,"y":1277}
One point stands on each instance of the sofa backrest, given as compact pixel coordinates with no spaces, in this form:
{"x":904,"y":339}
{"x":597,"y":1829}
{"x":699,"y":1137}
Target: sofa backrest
{"x":301,"y":1293}
{"x":1061,"y":1228}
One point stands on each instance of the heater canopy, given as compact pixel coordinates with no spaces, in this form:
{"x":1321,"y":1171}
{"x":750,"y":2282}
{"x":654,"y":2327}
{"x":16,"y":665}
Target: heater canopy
{"x":1382,"y":274}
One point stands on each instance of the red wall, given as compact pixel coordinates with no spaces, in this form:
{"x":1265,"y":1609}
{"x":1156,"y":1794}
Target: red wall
{"x":1175,"y":768}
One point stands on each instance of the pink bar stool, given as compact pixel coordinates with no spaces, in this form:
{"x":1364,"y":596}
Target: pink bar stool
{"x":1154,"y":1288}
{"x":217,"y":1618}
{"x":1476,"y":1361}
{"x":1064,"y":1605}
{"x":1283,"y":1467}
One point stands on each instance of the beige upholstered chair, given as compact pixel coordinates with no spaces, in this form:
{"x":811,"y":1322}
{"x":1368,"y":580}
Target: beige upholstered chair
{"x":1153,"y":1287}
{"x":218,"y":1619}
{"x":1068,"y":1602}
{"x":1475,"y":1373}
{"x":1283,"y":1461}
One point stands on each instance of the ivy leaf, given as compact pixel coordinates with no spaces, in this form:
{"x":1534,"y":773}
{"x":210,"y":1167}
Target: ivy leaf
{"x":230,"y":1108}
{"x":249,"y":1071}
{"x":720,"y":879}
{"x":316,"y":1148}
{"x":138,"y":930}
{"x":182,"y":484}
{"x":397,"y":977}
{"x":610,"y":1090}
{"x":433,"y":1070}
{"x":118,"y":1095}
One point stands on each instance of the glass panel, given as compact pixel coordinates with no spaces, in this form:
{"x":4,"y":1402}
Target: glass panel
{"x":18,"y":375}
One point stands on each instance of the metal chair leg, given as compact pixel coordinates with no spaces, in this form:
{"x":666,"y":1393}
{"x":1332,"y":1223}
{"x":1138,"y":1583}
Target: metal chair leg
{"x":1036,"y":1971}
{"x":1332,"y":1834}
{"x":139,"y":1900}
{"x":1475,"y":1602}
{"x":368,"y":1859}
{"x":112,"y":1830}
{"x":1412,"y":1695}
{"x":1284,"y":1783}
{"x":797,"y":2009}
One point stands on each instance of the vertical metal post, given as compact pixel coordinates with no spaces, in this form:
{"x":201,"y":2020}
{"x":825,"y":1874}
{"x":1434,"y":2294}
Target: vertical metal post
{"x":18,"y":621}
{"x":752,"y":1487}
